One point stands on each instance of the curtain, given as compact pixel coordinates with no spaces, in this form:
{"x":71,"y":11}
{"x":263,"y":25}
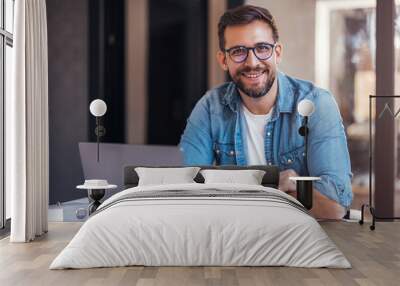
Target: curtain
{"x":27,"y":155}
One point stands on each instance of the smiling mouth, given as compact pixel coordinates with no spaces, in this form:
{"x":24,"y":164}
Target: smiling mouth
{"x":252,"y":75}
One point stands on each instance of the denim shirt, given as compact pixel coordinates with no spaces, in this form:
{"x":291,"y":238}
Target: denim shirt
{"x":214,"y":134}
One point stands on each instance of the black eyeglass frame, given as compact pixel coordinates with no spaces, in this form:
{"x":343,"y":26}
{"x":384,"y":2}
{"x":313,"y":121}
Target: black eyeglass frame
{"x":254,"y":52}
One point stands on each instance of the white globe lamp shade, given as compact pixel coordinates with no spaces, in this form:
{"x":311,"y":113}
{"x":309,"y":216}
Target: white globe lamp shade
{"x":306,"y":107}
{"x":98,"y":107}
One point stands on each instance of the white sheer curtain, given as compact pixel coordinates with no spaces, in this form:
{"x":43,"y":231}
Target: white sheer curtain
{"x":27,"y":124}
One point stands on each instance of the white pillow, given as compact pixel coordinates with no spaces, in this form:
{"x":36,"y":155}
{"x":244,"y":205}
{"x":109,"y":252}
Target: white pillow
{"x":248,"y":177}
{"x":163,"y":176}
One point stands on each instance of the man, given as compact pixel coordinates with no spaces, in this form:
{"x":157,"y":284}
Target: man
{"x":253,"y":120}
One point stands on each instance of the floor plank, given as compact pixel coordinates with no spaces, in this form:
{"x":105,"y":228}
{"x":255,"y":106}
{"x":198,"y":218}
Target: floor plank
{"x":374,"y":255}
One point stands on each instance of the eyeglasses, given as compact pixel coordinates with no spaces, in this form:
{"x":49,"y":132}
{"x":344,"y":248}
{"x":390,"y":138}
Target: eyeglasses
{"x":262,"y":51}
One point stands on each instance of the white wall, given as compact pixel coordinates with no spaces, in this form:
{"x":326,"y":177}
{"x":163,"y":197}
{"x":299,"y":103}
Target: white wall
{"x":296,"y":26}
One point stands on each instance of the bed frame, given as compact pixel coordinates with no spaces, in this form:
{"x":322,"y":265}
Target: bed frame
{"x":270,"y":179}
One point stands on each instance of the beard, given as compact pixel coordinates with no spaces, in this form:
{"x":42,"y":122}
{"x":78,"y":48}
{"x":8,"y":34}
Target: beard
{"x":257,"y":91}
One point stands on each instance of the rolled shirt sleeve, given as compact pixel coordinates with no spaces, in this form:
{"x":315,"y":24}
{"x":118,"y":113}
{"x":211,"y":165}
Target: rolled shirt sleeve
{"x":196,"y":142}
{"x":328,"y":155}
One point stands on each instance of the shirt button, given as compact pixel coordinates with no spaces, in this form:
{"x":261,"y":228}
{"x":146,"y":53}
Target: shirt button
{"x":289,"y":161}
{"x":232,"y":152}
{"x":304,"y":154}
{"x":269,"y":163}
{"x":268,"y":133}
{"x":217,"y":151}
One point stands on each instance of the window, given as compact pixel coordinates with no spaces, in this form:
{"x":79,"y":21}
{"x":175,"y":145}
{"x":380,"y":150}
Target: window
{"x":6,"y":64}
{"x":345,"y":64}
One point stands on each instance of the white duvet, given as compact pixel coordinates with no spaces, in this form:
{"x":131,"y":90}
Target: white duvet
{"x":200,"y":231}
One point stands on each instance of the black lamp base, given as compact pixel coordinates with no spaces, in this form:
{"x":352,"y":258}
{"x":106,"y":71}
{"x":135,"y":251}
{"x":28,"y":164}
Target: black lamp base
{"x":96,"y":195}
{"x":305,"y":193}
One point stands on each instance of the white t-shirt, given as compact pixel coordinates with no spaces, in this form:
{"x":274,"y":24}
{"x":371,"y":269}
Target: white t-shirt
{"x":254,"y":137}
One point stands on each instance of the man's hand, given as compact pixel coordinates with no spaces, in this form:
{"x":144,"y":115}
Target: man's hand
{"x":286,"y":185}
{"x":323,"y":207}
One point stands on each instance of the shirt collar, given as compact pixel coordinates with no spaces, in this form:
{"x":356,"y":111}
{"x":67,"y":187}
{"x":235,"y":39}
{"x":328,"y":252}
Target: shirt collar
{"x":284,"y":101}
{"x":285,"y":98}
{"x":231,"y":97}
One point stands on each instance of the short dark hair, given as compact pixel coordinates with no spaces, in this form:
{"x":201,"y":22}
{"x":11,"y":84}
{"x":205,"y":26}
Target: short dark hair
{"x":242,"y":15}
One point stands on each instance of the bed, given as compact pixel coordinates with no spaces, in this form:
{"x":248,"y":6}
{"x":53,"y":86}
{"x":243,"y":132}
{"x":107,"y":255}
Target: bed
{"x":198,"y":224}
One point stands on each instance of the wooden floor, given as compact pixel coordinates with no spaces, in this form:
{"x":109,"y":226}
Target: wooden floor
{"x":375,"y":257}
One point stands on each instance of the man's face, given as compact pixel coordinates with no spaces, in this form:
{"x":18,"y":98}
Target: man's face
{"x":253,"y":77}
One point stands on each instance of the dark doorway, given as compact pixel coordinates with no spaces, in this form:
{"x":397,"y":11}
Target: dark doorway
{"x":106,"y":66}
{"x":177,"y":65}
{"x":234,"y":3}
